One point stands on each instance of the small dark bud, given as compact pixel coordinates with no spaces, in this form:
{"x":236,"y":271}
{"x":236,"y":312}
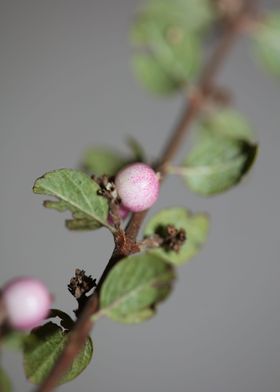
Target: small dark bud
{"x":172,"y":238}
{"x":81,"y":284}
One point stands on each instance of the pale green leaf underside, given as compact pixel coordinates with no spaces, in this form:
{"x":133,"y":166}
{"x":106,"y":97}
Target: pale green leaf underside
{"x":267,"y":43}
{"x":195,"y":225}
{"x":134,"y":287}
{"x":42,"y":353}
{"x":75,"y":192}
{"x":103,"y":161}
{"x":217,"y":163}
{"x":5,"y":383}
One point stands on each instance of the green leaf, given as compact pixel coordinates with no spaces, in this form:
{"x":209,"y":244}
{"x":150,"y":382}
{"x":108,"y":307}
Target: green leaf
{"x":100,"y":161}
{"x":228,"y":122}
{"x":267,"y":43}
{"x":5,"y":383}
{"x":41,"y":354}
{"x":193,"y":15}
{"x":153,"y":76}
{"x":217,"y":163}
{"x":195,"y":225}
{"x":136,"y":149}
{"x":134,"y":287}
{"x":169,"y":53}
{"x":77,"y":193}
{"x":14,"y":340}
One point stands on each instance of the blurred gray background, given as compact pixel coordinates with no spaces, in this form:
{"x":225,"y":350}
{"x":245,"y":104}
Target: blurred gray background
{"x":66,"y":83}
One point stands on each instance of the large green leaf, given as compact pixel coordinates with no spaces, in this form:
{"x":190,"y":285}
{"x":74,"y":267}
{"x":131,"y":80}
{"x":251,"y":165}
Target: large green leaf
{"x":100,"y":161}
{"x":217,"y":163}
{"x":5,"y":383}
{"x":134,"y":287}
{"x":41,"y":353}
{"x":77,"y":193}
{"x":267,"y":43}
{"x":196,"y":228}
{"x":228,"y":122}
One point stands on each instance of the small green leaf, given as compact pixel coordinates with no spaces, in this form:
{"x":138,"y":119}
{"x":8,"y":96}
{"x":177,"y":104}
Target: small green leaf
{"x":14,"y":340}
{"x":169,"y":53}
{"x":217,"y":163}
{"x":100,"y":161}
{"x":153,"y":76}
{"x":136,"y":149}
{"x":228,"y":122}
{"x":41,"y":354}
{"x":195,"y":225}
{"x":194,"y":15}
{"x":267,"y":43}
{"x":77,"y":193}
{"x":134,"y":287}
{"x":5,"y":383}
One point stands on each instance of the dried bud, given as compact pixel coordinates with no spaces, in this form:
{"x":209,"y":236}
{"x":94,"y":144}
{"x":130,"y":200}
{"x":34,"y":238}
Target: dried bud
{"x":172,"y":238}
{"x":81,"y":284}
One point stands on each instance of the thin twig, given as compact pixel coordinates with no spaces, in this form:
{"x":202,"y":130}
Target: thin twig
{"x":125,"y":242}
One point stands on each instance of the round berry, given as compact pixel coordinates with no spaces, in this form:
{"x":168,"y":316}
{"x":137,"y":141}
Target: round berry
{"x":138,"y":186}
{"x":27,"y":302}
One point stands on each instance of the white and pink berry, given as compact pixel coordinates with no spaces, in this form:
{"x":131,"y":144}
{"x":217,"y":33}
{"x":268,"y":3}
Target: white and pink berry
{"x":138,"y":186}
{"x":27,"y":302}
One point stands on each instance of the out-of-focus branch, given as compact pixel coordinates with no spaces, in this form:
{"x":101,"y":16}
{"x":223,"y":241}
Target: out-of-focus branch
{"x":125,"y":242}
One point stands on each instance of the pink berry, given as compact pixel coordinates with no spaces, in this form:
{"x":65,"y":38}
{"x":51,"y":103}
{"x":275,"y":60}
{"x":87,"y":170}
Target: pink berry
{"x":27,"y":302}
{"x":138,"y":186}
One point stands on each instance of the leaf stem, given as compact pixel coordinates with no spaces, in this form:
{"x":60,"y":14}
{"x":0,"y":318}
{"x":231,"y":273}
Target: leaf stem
{"x":125,"y":243}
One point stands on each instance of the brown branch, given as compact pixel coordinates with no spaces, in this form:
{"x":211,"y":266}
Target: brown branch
{"x":125,"y":241}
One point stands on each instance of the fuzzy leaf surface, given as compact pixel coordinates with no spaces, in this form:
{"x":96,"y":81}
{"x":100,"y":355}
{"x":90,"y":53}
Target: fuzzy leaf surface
{"x":134,"y":287}
{"x":41,"y":353}
{"x":217,"y":163}
{"x":75,"y":192}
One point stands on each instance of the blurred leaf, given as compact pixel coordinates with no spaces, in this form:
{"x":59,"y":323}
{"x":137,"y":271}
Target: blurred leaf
{"x":217,"y":163}
{"x":168,"y":54}
{"x":153,"y":77}
{"x":195,"y":225}
{"x":77,"y":193}
{"x":193,"y":15}
{"x":100,"y":161}
{"x":267,"y":43}
{"x":5,"y":383}
{"x":228,"y":122}
{"x":134,"y":287}
{"x":41,"y":354}
{"x":14,"y":340}
{"x":136,"y":149}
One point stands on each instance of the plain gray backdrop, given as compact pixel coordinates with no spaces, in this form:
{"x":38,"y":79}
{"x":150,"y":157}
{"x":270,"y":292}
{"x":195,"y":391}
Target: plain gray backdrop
{"x":66,"y":82}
